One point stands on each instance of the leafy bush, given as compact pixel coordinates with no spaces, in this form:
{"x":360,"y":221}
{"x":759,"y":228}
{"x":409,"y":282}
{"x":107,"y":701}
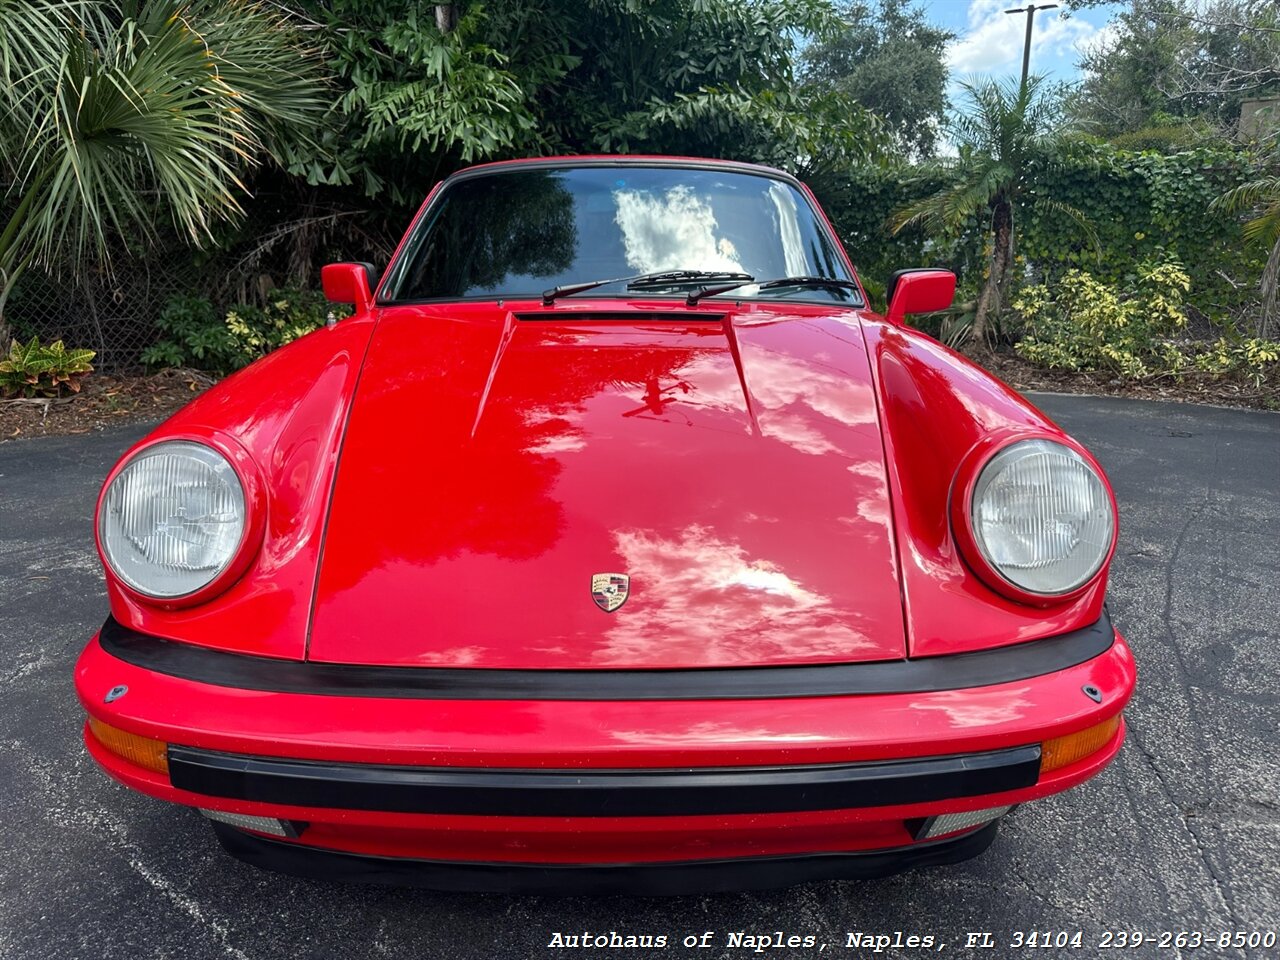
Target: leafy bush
{"x":861,"y":199}
{"x":1147,"y":207}
{"x":1258,"y":359}
{"x":290,"y":314}
{"x":32,"y":370}
{"x":199,"y":338}
{"x":1082,"y":323}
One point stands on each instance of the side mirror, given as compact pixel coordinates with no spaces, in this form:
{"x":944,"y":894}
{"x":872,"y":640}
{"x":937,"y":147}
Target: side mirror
{"x":921,"y":290}
{"x":349,"y":283}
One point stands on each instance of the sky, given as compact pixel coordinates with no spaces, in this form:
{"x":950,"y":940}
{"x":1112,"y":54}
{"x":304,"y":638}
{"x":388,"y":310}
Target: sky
{"x":989,"y":42}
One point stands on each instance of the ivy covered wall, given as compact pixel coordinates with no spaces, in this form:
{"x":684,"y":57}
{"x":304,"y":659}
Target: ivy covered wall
{"x":1143,"y":206}
{"x":1147,"y":207}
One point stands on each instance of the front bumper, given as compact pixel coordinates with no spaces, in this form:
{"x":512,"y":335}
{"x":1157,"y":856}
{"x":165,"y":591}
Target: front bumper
{"x":665,"y":878}
{"x":416,"y":770}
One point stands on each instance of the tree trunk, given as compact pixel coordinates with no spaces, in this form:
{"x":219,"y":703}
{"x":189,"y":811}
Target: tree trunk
{"x":6,"y":332}
{"x":8,"y":280}
{"x":446,"y":17}
{"x":991,"y":300}
{"x":1270,"y":283}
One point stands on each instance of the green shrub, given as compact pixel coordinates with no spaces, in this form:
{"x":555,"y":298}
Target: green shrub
{"x":1082,"y":323}
{"x":1142,"y":206}
{"x":32,"y":370}
{"x":1146,"y":207}
{"x":199,"y":338}
{"x":861,"y":201}
{"x":1258,"y":359}
{"x":290,"y":314}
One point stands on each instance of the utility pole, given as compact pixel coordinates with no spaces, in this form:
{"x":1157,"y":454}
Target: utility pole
{"x":1030,"y":10}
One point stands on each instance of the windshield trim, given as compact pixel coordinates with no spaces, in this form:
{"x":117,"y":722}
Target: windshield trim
{"x":391,"y":275}
{"x":680,"y":163}
{"x":506,"y":300}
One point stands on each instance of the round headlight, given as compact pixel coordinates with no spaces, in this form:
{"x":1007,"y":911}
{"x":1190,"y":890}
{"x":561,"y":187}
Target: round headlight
{"x":172,"y":519}
{"x":1042,"y":517}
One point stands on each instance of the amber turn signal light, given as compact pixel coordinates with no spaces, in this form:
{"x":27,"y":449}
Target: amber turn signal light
{"x":1061,"y":751}
{"x":145,"y":752}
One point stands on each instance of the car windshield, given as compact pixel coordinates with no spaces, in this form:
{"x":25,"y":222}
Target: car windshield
{"x":517,"y":233}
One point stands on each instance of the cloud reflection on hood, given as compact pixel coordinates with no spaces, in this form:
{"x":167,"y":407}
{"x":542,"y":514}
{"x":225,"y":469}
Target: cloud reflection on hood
{"x":722,"y":605}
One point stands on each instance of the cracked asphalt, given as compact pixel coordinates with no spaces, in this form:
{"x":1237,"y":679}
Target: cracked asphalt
{"x":1182,"y":833}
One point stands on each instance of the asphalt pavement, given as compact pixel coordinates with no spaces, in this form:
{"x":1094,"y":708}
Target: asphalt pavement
{"x":1181,"y":834}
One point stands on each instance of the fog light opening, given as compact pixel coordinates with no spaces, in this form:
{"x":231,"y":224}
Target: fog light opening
{"x":1063,"y":751}
{"x":268,"y":825}
{"x":927,"y":828}
{"x":144,"y":751}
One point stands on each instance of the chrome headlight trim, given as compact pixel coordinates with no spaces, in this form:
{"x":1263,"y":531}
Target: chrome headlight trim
{"x":173,"y":519}
{"x":1042,"y":517}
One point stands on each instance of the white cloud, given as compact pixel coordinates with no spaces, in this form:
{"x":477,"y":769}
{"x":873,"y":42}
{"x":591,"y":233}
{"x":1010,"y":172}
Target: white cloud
{"x":993,"y":40}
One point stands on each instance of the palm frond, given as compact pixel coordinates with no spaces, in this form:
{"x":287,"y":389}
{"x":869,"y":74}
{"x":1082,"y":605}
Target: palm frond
{"x":926,"y":212}
{"x":256,"y":54}
{"x":1248,"y":195}
{"x":971,"y":191}
{"x":1264,"y":229}
{"x":1260,"y":197}
{"x":975,"y":192}
{"x":136,"y":112}
{"x":152,"y":117}
{"x":32,"y":42}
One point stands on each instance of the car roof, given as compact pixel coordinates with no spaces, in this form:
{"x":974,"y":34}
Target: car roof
{"x":624,"y":160}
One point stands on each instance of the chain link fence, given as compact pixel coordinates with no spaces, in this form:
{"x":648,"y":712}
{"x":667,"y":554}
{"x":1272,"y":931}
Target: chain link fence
{"x":114,"y":309}
{"x":113,"y":312}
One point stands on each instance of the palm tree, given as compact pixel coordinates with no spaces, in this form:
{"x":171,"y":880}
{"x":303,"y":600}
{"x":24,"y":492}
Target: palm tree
{"x":1262,"y":198}
{"x":1008,"y":129}
{"x":122,"y":114}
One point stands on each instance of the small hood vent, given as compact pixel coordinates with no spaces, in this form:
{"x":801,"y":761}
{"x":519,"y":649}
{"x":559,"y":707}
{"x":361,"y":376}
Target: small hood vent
{"x":616,"y":316}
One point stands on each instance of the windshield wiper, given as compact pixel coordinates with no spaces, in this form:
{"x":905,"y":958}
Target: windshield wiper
{"x":832,"y":282}
{"x":685,"y":276}
{"x":639,"y":281}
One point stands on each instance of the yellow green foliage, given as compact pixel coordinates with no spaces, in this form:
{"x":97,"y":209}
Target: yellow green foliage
{"x":198,"y":337}
{"x":1257,"y":358}
{"x":1131,"y":329}
{"x":256,"y":331}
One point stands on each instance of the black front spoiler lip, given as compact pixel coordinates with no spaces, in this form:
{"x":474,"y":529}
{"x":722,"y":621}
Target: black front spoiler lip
{"x":601,"y":793}
{"x":957,"y":671}
{"x":632,"y":879}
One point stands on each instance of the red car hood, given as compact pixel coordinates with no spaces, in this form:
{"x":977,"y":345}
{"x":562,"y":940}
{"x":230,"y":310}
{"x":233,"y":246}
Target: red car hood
{"x":731,"y":467}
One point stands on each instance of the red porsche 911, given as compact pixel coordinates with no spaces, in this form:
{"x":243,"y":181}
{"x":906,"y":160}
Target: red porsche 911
{"x":612,"y":544}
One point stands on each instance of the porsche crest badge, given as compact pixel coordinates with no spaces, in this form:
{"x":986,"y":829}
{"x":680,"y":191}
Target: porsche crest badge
{"x":609,"y":590}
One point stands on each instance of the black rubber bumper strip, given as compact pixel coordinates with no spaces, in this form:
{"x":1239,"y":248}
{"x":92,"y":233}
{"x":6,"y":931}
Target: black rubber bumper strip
{"x":600,"y":793}
{"x":953,"y":672}
{"x":632,"y":879}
